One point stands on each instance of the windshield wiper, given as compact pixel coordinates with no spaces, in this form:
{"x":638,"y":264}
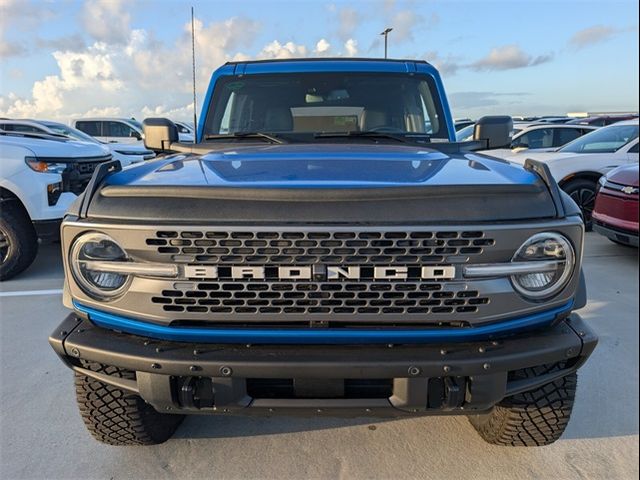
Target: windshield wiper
{"x":403,"y":138}
{"x":250,"y":135}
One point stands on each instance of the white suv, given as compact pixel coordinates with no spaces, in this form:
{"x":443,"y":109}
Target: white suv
{"x":40,"y":176}
{"x":126,"y":153}
{"x":111,"y":130}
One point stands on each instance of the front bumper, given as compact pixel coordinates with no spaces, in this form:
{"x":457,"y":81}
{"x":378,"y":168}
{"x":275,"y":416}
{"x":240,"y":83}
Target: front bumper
{"x":454,"y":378}
{"x":627,"y":237}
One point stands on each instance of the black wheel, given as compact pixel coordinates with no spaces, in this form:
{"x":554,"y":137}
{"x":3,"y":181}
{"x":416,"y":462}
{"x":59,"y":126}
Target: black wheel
{"x":583,"y":192}
{"x":18,"y":241}
{"x":116,"y":417}
{"x":530,"y":419}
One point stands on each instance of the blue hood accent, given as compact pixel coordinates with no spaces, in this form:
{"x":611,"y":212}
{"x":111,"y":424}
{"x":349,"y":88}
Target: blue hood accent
{"x":324,"y":166}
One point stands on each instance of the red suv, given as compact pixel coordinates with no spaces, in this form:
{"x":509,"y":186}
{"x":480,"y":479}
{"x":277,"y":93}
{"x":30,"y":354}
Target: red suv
{"x":616,"y":210}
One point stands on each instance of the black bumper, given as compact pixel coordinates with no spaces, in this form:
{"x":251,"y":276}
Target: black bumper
{"x":48,"y":230}
{"x":328,"y":380}
{"x":621,"y":236}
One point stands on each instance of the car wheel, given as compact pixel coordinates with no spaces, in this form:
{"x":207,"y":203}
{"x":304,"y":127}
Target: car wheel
{"x":583,"y":192}
{"x":18,"y":241}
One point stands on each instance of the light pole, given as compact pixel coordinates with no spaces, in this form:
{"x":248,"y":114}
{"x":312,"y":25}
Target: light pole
{"x":385,"y":33}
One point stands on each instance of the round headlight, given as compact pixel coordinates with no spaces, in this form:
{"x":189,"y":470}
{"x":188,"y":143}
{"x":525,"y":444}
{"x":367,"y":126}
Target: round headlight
{"x":87,"y":254}
{"x":559,"y":260}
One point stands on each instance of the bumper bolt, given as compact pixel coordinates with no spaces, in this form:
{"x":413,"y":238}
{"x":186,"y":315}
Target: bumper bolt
{"x":63,"y":332}
{"x":582,"y":334}
{"x":443,"y":351}
{"x":194,"y":368}
{"x":495,"y":343}
{"x":414,"y":371}
{"x":486,"y":366}
{"x":158,"y":350}
{"x":390,"y":345}
{"x":569,"y":352}
{"x":446,"y":368}
{"x":225,"y":371}
{"x":75,"y":352}
{"x":155,"y":366}
{"x":196,"y":351}
{"x":481,"y":349}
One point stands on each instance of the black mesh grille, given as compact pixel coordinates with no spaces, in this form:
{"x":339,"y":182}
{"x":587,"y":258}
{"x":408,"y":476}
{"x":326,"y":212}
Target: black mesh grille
{"x":321,"y":298}
{"x":305,"y":248}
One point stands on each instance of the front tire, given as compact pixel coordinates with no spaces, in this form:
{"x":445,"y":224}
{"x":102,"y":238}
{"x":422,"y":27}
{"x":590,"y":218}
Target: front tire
{"x":18,"y":241}
{"x":116,"y":417}
{"x":583,"y":192}
{"x":530,"y":419}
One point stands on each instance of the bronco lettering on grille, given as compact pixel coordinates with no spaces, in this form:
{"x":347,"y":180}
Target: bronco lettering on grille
{"x":319,"y":272}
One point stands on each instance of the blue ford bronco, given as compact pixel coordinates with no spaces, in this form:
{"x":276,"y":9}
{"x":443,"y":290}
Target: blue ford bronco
{"x":324,"y":248}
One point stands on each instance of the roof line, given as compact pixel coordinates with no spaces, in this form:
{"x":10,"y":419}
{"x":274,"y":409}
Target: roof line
{"x":329,"y":59}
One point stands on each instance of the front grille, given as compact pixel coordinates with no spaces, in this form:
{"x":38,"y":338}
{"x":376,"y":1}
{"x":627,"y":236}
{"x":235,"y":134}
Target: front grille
{"x":413,"y":295}
{"x":325,"y":298}
{"x":76,"y":177}
{"x":306,"y":248}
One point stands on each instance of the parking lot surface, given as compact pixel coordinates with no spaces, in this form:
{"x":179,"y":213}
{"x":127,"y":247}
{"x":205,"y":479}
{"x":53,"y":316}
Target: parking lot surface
{"x":42,"y":435}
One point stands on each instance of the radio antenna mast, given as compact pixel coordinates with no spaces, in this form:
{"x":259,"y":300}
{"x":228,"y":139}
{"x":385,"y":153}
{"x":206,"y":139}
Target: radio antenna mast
{"x":193,"y":68}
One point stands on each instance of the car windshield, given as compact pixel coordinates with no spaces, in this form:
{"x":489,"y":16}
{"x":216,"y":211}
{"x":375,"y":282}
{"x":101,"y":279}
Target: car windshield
{"x":603,"y":140}
{"x":303,"y":104}
{"x":62,"y":129}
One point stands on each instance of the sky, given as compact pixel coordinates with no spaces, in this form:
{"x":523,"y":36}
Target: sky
{"x":64,"y":59}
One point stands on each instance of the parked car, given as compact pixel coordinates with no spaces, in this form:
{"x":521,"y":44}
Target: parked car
{"x":327,"y":256}
{"x":616,"y":210}
{"x":578,"y":166}
{"x":40,"y":177}
{"x":545,"y":137}
{"x":461,"y":123}
{"x":602,"y":120}
{"x":465,"y":134}
{"x":126,"y":153}
{"x":114,"y":130}
{"x":554,"y":120}
{"x":186,"y":133}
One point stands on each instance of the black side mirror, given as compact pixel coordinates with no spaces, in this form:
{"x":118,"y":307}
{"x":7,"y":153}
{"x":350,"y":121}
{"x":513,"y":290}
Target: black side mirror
{"x":159,"y":133}
{"x":135,"y":135}
{"x":494,"y":130}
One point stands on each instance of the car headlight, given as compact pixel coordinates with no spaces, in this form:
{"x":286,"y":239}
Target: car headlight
{"x":88,"y":253}
{"x":45,"y":167}
{"x":551,"y":251}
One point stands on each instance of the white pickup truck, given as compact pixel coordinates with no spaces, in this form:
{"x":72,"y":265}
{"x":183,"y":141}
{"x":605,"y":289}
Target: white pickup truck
{"x":40,"y":176}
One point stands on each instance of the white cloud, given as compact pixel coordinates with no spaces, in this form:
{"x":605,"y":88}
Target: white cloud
{"x":446,"y":65}
{"x":287,"y":50}
{"x":351,"y":47}
{"x":404,"y":23}
{"x":107,"y":20}
{"x":509,"y":57}
{"x":592,"y":35}
{"x":322,"y":47}
{"x":348,"y":21}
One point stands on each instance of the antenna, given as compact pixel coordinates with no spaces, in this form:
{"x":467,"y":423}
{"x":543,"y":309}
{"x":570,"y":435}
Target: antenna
{"x":193,"y":65}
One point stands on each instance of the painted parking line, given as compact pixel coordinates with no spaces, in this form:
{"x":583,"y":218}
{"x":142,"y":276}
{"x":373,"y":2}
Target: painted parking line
{"x":29,"y":293}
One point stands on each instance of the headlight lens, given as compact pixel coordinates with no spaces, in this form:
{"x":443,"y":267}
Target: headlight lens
{"x":544,"y":247}
{"x":97,"y":247}
{"x":45,"y":167}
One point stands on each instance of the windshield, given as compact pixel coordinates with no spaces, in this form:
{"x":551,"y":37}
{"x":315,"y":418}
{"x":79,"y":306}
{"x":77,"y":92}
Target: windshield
{"x":603,"y":140}
{"x":62,"y":129}
{"x":311,"y":103}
